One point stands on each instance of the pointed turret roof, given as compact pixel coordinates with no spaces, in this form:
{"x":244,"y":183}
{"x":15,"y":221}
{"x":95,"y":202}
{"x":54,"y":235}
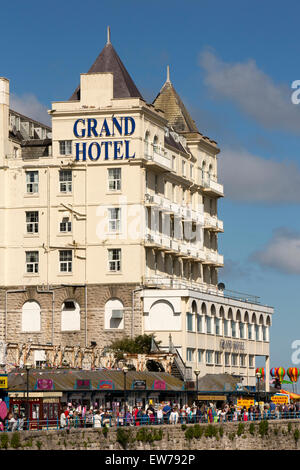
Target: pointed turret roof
{"x":176,"y":113}
{"x":109,"y":61}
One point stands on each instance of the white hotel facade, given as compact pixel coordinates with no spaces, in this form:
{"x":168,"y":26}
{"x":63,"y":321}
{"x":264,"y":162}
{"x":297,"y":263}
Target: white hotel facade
{"x":109,"y":227}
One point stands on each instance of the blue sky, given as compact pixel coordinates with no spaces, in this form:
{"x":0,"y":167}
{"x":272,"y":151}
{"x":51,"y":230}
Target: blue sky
{"x":233,"y":64}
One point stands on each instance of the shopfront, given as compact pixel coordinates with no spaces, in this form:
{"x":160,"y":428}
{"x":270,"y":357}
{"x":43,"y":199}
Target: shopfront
{"x":41,"y":408}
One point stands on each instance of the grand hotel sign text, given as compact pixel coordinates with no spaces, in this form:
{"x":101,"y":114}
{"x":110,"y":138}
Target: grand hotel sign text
{"x":232,"y":345}
{"x":104,"y":128}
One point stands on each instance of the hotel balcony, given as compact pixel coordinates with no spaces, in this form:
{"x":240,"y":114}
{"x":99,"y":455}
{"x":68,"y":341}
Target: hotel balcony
{"x":158,"y":158}
{"x":213,"y":258}
{"x":211,"y":187}
{"x":168,"y":207}
{"x":175,"y":247}
{"x":213,"y":223}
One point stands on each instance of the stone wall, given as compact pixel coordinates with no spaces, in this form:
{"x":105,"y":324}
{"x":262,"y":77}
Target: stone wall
{"x":91,"y":331}
{"x":279,"y":435}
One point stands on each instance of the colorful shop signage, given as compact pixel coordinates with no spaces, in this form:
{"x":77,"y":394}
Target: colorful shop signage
{"x":159,"y":385}
{"x":280,"y":399}
{"x":3,"y":381}
{"x":83,"y":384}
{"x":106,"y":385}
{"x":44,"y":384}
{"x":212,"y":397}
{"x":245,"y":402}
{"x":139,"y":385}
{"x":116,"y":149}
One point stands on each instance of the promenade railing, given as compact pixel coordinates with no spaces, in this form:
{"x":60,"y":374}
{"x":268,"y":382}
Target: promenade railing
{"x":145,"y":420}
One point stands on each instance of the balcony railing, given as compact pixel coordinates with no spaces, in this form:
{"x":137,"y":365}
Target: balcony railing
{"x":174,"y":283}
{"x":158,"y":155}
{"x":209,"y":183}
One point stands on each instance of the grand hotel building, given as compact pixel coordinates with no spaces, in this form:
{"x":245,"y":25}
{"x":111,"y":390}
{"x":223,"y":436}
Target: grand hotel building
{"x":109,"y":227}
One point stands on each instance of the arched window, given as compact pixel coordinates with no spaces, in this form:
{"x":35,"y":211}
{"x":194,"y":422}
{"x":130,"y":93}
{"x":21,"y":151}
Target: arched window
{"x":162,"y":317}
{"x":155,"y":144}
{"x":31,"y":317}
{"x":70,"y":316}
{"x":203,"y":170}
{"x":147,"y":144}
{"x":114,"y":314}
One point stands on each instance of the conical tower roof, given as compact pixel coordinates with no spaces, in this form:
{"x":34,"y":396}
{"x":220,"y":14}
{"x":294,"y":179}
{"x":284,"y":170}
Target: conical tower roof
{"x":109,"y":61}
{"x":176,"y":113}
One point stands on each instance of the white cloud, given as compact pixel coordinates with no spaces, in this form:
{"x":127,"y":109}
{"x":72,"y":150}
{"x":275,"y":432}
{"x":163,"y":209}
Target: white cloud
{"x":29,"y":105}
{"x":282,"y":252}
{"x":250,"y":178}
{"x":253,"y":91}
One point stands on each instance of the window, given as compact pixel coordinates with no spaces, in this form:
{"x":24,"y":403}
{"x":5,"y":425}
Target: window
{"x":217,"y":323}
{"x":257,"y":333}
{"x":32,"y":222}
{"x":32,"y":182}
{"x":251,"y":361}
{"x":65,"y":147}
{"x":156,"y":184}
{"x":65,"y":261}
{"x":243,"y":360}
{"x":31,"y":317}
{"x":65,"y":225}
{"x":199,"y":324}
{"x":241,"y":328}
{"x":249,"y":331}
{"x":190,"y":354}
{"x":183,"y":168}
{"x":200,"y":355}
{"x":65,"y":181}
{"x":114,"y":179}
{"x":264,"y":332}
{"x":208,"y":324}
{"x":209,"y":357}
{"x":233,"y":329}
{"x":227,"y":359}
{"x":225,"y":327}
{"x":32,"y":262}
{"x":173,"y":162}
{"x":114,"y":219}
{"x":114,"y":260}
{"x":189,"y":322}
{"x":191,"y":171}
{"x":70,"y":316}
{"x":218,"y":358}
{"x":114,"y":314}
{"x":234,"y":359}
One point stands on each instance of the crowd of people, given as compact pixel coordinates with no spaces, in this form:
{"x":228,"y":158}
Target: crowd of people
{"x":168,"y":413}
{"x":75,"y":415}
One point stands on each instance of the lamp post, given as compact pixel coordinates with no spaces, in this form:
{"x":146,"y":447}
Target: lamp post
{"x":125,"y":370}
{"x":258,"y":376}
{"x":27,"y":367}
{"x":197,"y":372}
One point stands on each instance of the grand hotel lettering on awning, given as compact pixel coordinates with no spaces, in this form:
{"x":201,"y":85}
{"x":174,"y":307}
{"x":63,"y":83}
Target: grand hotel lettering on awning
{"x":232,"y":345}
{"x":104,"y":128}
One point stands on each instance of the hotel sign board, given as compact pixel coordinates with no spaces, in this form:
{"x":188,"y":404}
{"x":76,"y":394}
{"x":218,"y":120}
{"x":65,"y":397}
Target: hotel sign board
{"x":111,"y":143}
{"x":229,"y":345}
